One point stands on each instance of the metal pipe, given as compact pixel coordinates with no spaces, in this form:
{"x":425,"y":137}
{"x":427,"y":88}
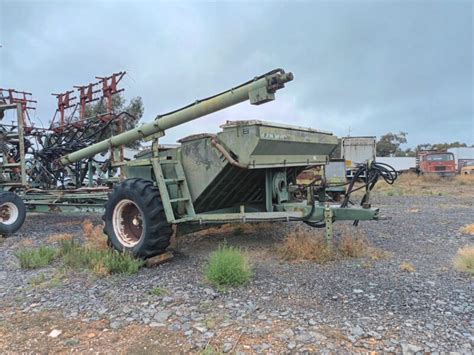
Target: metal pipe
{"x":226,"y":154}
{"x":258,"y":91}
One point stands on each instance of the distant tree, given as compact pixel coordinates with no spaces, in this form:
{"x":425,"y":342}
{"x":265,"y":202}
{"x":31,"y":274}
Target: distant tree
{"x":445,"y":146}
{"x":134,"y":108}
{"x":425,"y":146}
{"x":389,"y":144}
{"x":410,"y":153}
{"x":439,"y":146}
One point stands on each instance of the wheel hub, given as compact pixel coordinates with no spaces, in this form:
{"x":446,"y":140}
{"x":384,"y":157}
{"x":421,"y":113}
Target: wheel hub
{"x":127,"y":223}
{"x":8,"y":213}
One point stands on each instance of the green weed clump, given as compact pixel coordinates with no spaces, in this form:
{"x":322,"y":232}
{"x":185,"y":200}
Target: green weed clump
{"x":464,"y":260}
{"x":100,"y":262}
{"x":157,"y":291}
{"x":36,"y":258}
{"x":94,"y":255}
{"x":228,"y":266}
{"x":395,"y":191}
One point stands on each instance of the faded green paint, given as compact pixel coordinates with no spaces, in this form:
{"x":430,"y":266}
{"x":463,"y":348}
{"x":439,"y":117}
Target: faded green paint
{"x":260,"y":144}
{"x":241,"y":174}
{"x":64,"y":208}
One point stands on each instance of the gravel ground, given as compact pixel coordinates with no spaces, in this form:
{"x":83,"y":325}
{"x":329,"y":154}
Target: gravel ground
{"x":348,"y":305}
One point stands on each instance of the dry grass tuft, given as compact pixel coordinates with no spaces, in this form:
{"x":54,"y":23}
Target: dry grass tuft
{"x":353,"y":244}
{"x":94,"y":236}
{"x":464,"y":179}
{"x":468,"y":229}
{"x":377,"y":254}
{"x":464,"y":260}
{"x":407,"y":267}
{"x":99,"y":269}
{"x":25,"y":243}
{"x":431,"y":178}
{"x":59,"y":237}
{"x":306,"y":245}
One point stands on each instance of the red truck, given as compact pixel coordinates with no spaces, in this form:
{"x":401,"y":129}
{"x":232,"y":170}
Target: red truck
{"x":436,"y":162}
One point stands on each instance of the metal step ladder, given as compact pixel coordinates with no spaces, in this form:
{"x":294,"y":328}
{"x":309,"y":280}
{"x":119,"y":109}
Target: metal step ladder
{"x":175,"y":177}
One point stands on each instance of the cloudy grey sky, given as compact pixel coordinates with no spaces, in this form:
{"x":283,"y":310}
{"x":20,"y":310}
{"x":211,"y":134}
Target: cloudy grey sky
{"x":365,"y":66}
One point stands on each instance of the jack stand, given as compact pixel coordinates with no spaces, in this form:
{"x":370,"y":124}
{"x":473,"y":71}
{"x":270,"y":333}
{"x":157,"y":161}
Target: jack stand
{"x":328,"y":220}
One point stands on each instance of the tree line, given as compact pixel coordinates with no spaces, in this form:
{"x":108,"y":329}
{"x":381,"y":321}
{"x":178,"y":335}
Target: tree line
{"x":389,"y":145}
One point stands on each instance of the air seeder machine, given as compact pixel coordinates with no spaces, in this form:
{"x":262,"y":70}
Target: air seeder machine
{"x":245,"y":173}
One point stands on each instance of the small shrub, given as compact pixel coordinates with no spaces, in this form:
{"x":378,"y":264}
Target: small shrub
{"x":464,"y":260}
{"x":157,"y":291}
{"x":120,"y":263}
{"x":407,"y":267}
{"x":228,"y":266}
{"x":73,"y":255}
{"x":36,"y":258}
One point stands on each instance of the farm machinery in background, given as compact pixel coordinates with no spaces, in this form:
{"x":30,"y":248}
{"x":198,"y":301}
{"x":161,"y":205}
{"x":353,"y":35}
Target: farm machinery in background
{"x":29,"y":152}
{"x":435,"y":162}
{"x":245,"y":173}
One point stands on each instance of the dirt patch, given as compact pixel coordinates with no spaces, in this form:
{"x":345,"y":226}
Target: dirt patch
{"x":33,"y":333}
{"x":30,"y":332}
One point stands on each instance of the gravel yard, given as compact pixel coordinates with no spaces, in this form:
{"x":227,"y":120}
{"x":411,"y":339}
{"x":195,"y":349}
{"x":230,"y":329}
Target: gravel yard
{"x":346,"y":305}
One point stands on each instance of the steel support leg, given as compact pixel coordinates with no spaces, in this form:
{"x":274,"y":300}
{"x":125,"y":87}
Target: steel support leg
{"x":328,"y":220}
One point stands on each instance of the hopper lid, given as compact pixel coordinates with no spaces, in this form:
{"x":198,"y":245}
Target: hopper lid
{"x":232,"y":124}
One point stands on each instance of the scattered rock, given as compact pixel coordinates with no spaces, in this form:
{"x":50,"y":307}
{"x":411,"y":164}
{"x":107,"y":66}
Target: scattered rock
{"x":115,"y":325}
{"x":227,"y":347}
{"x":161,"y":316}
{"x":357,"y":331}
{"x":431,"y":308}
{"x":410,"y":349}
{"x":157,"y":325}
{"x":55,"y":333}
{"x":200,"y":328}
{"x":71,"y":342}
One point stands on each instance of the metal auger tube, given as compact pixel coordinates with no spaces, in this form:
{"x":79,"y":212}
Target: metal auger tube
{"x":258,"y":91}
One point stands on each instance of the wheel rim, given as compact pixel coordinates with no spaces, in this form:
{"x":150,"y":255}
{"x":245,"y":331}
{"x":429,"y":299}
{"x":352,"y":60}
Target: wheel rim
{"x":8,"y":213}
{"x":128,"y":223}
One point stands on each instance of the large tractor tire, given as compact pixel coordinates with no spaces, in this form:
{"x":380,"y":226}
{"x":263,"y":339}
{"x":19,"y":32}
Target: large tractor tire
{"x":12,"y":213}
{"x":135,"y":220}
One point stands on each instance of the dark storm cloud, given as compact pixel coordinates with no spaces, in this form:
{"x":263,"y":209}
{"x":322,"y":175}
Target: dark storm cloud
{"x":370,"y":67}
